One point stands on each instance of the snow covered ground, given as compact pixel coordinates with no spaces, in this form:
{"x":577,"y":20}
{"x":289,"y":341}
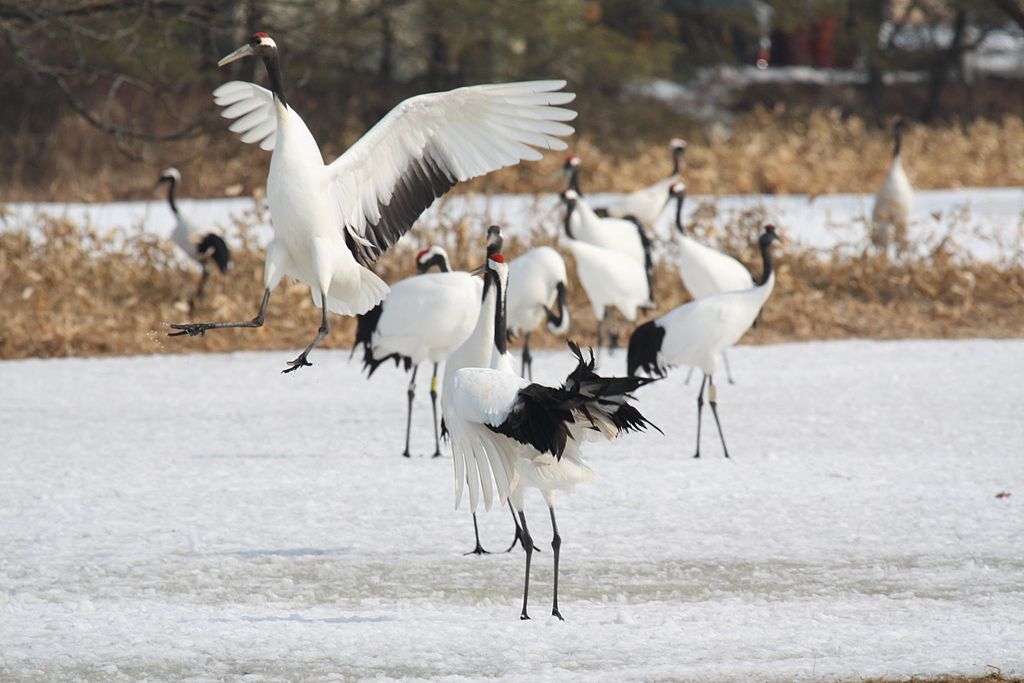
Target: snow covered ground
{"x":204,"y":517}
{"x":989,"y":222}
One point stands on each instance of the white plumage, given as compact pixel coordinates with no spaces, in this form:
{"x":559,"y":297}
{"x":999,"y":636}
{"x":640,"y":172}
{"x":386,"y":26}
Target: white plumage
{"x":703,"y":270}
{"x":890,"y":216}
{"x":331,"y":222}
{"x":537,"y":282}
{"x":201,"y":246}
{"x":698,"y":333}
{"x":423,"y":318}
{"x":618,"y":234}
{"x":646,"y":204}
{"x":611,"y":280}
{"x":509,"y":434}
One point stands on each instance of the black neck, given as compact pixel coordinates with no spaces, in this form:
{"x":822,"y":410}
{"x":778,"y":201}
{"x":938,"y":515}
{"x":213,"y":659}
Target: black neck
{"x":766,"y":260}
{"x":500,"y":324}
{"x":171,"y":185}
{"x":679,"y":213}
{"x":569,"y":208}
{"x":897,"y":141}
{"x":556,"y":321}
{"x":574,"y":180}
{"x":677,"y":160}
{"x":273,"y":64}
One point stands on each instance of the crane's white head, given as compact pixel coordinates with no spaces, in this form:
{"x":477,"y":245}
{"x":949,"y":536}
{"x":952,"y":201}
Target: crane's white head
{"x":677,"y":189}
{"x":677,"y":144}
{"x":259,"y":45}
{"x":570,"y":197}
{"x":572,"y":161}
{"x":498,"y":269}
{"x":432,"y":257}
{"x":169,"y":175}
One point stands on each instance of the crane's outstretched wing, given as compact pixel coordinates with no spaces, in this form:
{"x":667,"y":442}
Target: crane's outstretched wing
{"x":420,"y":150}
{"x":252,"y":107}
{"x":428,"y":143}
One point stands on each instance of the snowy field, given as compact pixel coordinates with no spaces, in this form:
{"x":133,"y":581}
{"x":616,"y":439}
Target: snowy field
{"x":205,"y":517}
{"x":989,"y":222}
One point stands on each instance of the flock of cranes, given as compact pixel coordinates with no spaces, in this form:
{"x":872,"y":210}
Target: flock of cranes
{"x":508,"y":433}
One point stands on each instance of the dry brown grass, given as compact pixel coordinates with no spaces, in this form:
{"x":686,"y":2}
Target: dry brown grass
{"x":763,"y":151}
{"x":994,"y":677}
{"x":66,"y":290}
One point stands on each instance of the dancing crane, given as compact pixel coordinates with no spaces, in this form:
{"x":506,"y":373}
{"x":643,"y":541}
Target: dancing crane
{"x":512,"y":434}
{"x":331,"y":222}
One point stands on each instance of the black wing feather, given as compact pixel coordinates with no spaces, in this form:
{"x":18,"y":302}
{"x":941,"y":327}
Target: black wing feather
{"x":542,"y":416}
{"x":423,"y":181}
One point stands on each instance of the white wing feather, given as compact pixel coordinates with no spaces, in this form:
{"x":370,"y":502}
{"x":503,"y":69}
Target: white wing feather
{"x":252,"y":107}
{"x":421,"y":148}
{"x":481,"y":397}
{"x":443,"y":138}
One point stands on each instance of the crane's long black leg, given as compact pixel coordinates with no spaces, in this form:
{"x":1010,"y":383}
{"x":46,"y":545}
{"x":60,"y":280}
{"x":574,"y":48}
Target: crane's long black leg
{"x":479,"y":549}
{"x":713,"y":400}
{"x":301,"y":361}
{"x":410,"y":393}
{"x":433,"y":405}
{"x":519,"y":531}
{"x":600,"y":330}
{"x":556,"y":544}
{"x":200,"y":290}
{"x":700,"y":407}
{"x":527,"y":371}
{"x":528,"y":545}
{"x":198,"y":329}
{"x":728,"y":370}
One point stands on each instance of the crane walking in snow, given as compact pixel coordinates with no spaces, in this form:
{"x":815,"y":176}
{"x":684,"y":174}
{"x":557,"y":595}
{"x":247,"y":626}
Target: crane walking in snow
{"x":704,"y":271}
{"x":423,"y":318}
{"x":199,"y":246}
{"x":509,"y":433}
{"x":332,"y":222}
{"x":698,"y":332}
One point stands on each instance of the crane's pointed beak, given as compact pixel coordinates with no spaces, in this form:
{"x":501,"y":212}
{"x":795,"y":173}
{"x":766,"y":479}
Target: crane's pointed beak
{"x":479,"y":270}
{"x":244,"y":51}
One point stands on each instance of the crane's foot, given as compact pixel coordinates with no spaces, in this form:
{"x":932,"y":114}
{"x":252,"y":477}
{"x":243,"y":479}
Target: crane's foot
{"x":556,"y":613}
{"x":437,"y":454}
{"x":478,"y":550}
{"x":518,"y":540}
{"x":405,"y":454}
{"x":524,"y":616}
{"x":697,"y":454}
{"x":297,"y":363}
{"x":191,"y":329}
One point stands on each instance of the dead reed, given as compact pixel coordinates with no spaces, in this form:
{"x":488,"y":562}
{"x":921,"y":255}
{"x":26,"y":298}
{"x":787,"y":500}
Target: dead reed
{"x":67,"y":290}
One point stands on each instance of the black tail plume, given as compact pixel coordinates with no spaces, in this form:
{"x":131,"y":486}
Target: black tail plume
{"x":644,"y":349}
{"x":215,"y":245}
{"x":366,"y":324}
